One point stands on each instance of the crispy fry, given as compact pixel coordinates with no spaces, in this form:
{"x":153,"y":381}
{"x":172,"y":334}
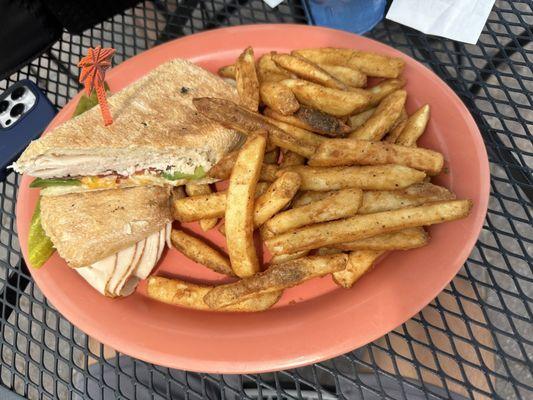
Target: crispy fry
{"x":269,"y":71}
{"x":190,"y":295}
{"x":359,"y":262}
{"x":383,"y":89}
{"x":178,"y":192}
{"x":309,"y":196}
{"x":371,"y":64}
{"x":272,"y":156}
{"x":236,"y":117}
{"x":307,"y":70}
{"x":197,"y":190}
{"x":324,"y":251}
{"x":381,"y":177}
{"x":279,"y":259}
{"x":364,"y":226}
{"x":239,"y":217}
{"x":200,"y":252}
{"x":331,"y":101}
{"x":279,"y":97}
{"x":222,"y":169}
{"x":382,"y":120}
{"x":337,"y":152}
{"x":247,"y":82}
{"x":409,"y":238}
{"x":414,"y":127}
{"x":290,"y":158}
{"x":278,"y":195}
{"x":414,"y":195}
{"x":309,"y":138}
{"x":398,"y":127}
{"x":227,"y":71}
{"x":358,"y":120}
{"x":341,"y":204}
{"x":349,"y":76}
{"x":277,"y":277}
{"x":312,"y":120}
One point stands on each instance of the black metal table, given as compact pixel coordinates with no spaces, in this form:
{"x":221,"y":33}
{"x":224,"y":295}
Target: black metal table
{"x":475,"y":339}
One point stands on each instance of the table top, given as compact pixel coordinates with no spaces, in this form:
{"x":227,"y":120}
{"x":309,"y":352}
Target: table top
{"x":474,"y":340}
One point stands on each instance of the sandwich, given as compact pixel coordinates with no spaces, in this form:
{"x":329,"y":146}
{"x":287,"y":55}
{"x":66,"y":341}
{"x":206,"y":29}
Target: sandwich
{"x":112,"y":238}
{"x":157,"y":137}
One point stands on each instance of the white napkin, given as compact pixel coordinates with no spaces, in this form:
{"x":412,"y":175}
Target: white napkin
{"x":461,"y":20}
{"x":273,"y":3}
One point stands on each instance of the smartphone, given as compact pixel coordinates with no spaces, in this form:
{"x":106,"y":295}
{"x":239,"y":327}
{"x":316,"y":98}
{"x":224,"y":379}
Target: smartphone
{"x":25,"y":112}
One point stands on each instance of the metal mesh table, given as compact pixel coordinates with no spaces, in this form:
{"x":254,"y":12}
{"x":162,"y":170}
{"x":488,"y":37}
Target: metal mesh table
{"x":474,"y":340}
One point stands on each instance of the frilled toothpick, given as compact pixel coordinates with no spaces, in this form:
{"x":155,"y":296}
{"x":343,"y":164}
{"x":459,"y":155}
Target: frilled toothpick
{"x":93,"y":68}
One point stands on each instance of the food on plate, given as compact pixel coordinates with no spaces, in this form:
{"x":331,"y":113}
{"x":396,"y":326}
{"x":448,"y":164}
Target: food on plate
{"x":246,"y":78}
{"x":193,"y":189}
{"x":269,"y":71}
{"x":275,"y":278}
{"x":279,"y":97}
{"x":309,"y":138}
{"x":359,"y":262}
{"x":239,"y":217}
{"x":40,"y":247}
{"x":222,"y":170}
{"x":364,"y":226}
{"x":290,"y":159}
{"x":272,"y":156}
{"x":349,"y":76}
{"x":228,"y":71}
{"x":409,"y":238}
{"x":191,"y":295}
{"x":397,"y":128}
{"x":414,"y":127}
{"x":338,"y":152}
{"x":281,"y":258}
{"x":113,"y":238}
{"x":200,"y":252}
{"x":383,"y":89}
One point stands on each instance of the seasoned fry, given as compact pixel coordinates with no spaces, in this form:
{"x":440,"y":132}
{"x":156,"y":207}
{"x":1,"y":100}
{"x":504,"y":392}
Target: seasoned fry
{"x":414,"y":127}
{"x":382,"y":120}
{"x":364,"y":226}
{"x":337,"y":152}
{"x":239,"y":217}
{"x":371,"y":64}
{"x":200,"y":252}
{"x":397,"y":128}
{"x":247,"y":82}
{"x":409,"y":238}
{"x":358,"y":120}
{"x":269,"y":71}
{"x":233,"y":116}
{"x":277,"y":277}
{"x":341,"y":204}
{"x":332,"y":101}
{"x":227,"y":71}
{"x":359,"y":262}
{"x":290,"y":158}
{"x":383,"y":89}
{"x":349,"y":76}
{"x":281,"y":258}
{"x":198,"y":190}
{"x":324,"y":251}
{"x":381,"y":177}
{"x":178,"y":193}
{"x":190,"y":295}
{"x":414,"y":195}
{"x":307,"y":70}
{"x":222,"y":169}
{"x":279,"y":97}
{"x":312,"y":120}
{"x":272,"y":156}
{"x":309,"y":196}
{"x":309,"y":138}
{"x":278,"y":195}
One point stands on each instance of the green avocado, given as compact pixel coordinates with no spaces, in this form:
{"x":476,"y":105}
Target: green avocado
{"x":40,"y":246}
{"x":43,"y":183}
{"x":199,"y":173}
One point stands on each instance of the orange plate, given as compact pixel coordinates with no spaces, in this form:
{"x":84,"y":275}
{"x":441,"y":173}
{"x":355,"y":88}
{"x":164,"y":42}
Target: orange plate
{"x":316,"y":320}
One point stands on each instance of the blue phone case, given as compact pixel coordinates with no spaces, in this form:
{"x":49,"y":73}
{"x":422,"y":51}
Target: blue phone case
{"x":24,"y":127}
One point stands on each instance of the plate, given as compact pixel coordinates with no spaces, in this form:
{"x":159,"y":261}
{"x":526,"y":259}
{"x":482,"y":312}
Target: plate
{"x":314,"y":321}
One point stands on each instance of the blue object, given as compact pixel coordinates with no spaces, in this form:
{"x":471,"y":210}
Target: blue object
{"x":357,"y":16}
{"x":24,"y":114}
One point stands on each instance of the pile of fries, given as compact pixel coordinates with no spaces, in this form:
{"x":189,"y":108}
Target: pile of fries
{"x":330,"y":176}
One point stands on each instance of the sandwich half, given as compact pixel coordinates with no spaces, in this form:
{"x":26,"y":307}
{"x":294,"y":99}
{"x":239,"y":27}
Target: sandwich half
{"x":113,"y":238}
{"x":157,"y":137}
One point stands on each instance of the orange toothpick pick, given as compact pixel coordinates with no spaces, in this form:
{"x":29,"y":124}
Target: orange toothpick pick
{"x":93,"y":68}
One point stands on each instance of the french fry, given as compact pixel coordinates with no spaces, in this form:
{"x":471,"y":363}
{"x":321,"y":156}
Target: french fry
{"x":312,"y":120}
{"x":222,"y":169}
{"x":309,"y":138}
{"x":337,"y":152}
{"x":191,"y":295}
{"x":290,"y":159}
{"x":277,"y":277}
{"x":414,"y":127}
{"x":358,"y":120}
{"x":371,"y":64}
{"x":239,"y":217}
{"x":336,"y":102}
{"x":277,"y":196}
{"x":414,"y":195}
{"x":341,"y":204}
{"x":397,"y":128}
{"x":227,"y":71}
{"x":200,"y":252}
{"x":309,"y":196}
{"x":383,"y":89}
{"x":364,"y":226}
{"x":247,"y":82}
{"x":279,"y":259}
{"x":307,"y":70}
{"x":269,"y":71}
{"x":279,"y":97}
{"x":233,"y":116}
{"x":272,"y":156}
{"x":382,"y":120}
{"x":197,"y":190}
{"x":349,"y":76}
{"x":324,"y":251}
{"x":409,"y":238}
{"x":381,"y":177}
{"x":359,"y":262}
{"x":178,"y":192}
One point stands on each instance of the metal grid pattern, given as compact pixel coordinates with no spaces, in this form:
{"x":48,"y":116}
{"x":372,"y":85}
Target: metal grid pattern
{"x":474,"y":340}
